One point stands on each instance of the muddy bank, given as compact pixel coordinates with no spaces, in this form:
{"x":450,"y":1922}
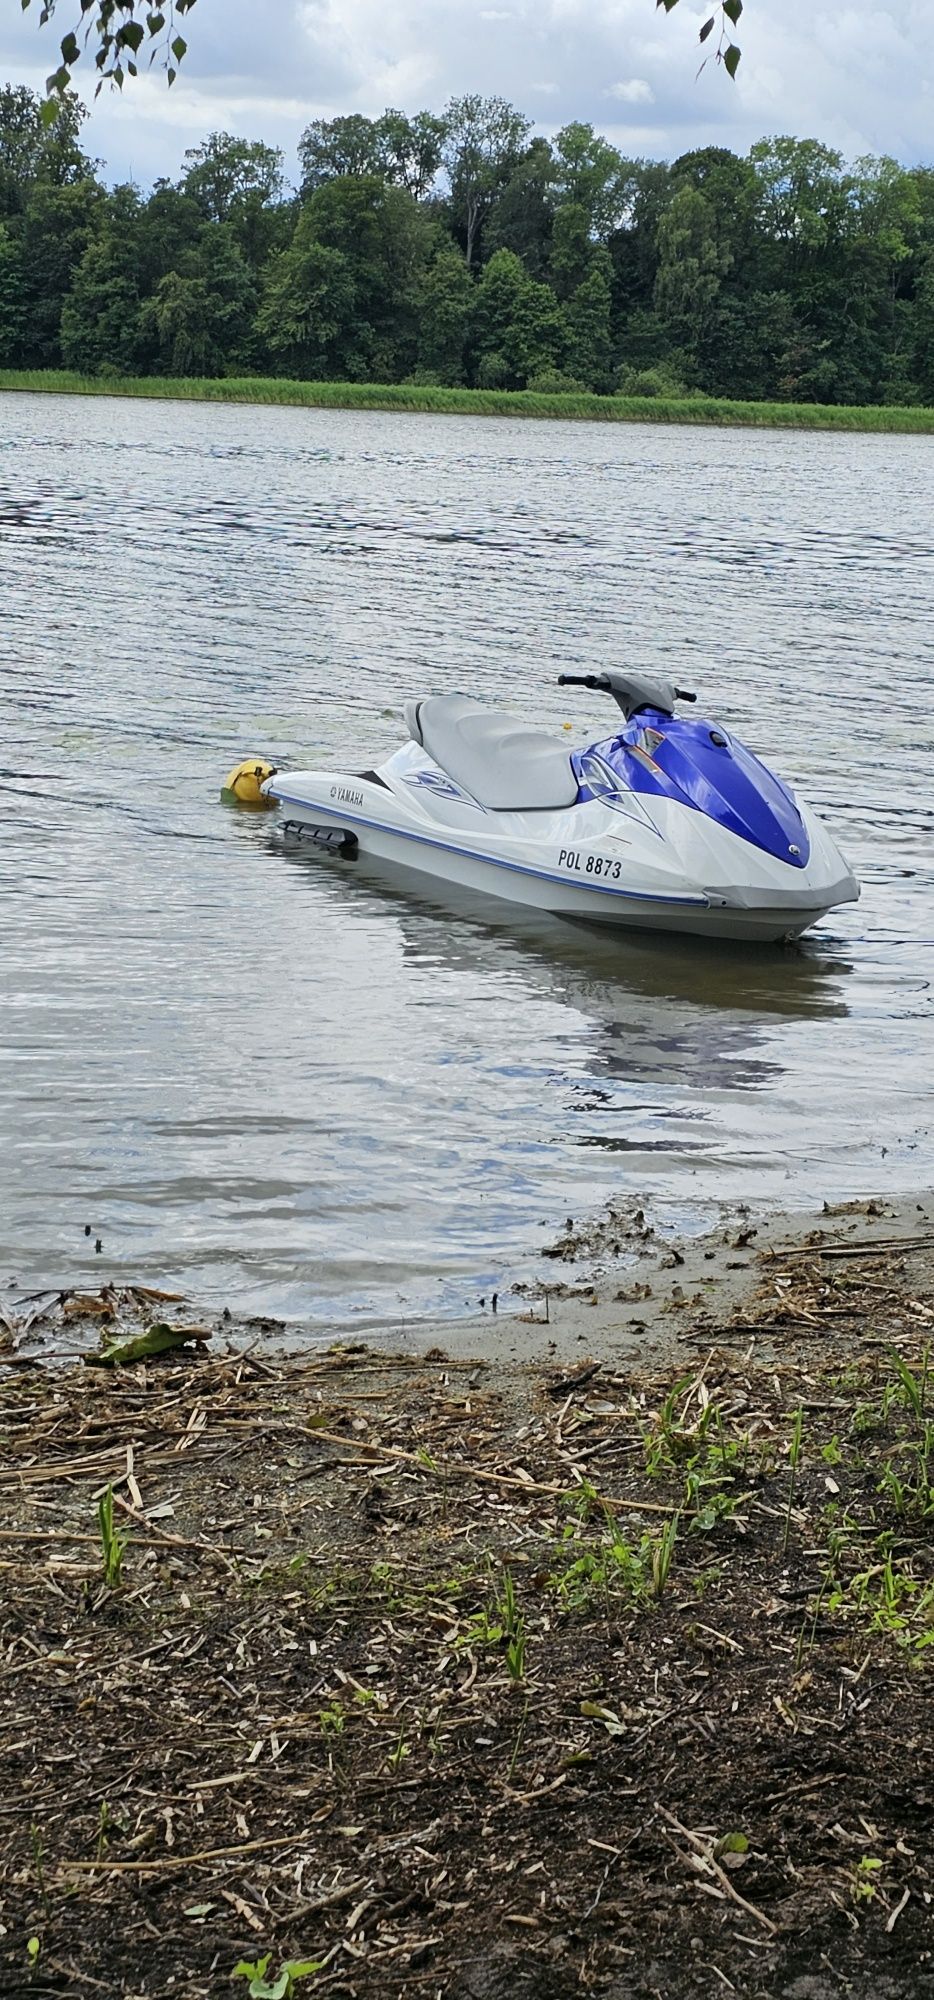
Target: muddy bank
{"x":484,"y":1678}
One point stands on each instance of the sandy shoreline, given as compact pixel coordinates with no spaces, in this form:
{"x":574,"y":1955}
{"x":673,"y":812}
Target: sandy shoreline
{"x":618,"y":1289}
{"x":636,"y":1307}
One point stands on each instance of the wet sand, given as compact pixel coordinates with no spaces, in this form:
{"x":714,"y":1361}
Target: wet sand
{"x":621,"y":1292}
{"x":641,"y":1302}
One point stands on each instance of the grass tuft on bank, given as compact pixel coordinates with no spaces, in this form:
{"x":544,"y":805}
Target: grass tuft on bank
{"x":426,"y":400}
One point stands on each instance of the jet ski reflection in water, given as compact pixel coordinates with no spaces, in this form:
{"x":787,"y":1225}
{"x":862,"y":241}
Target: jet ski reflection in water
{"x":669,"y":824}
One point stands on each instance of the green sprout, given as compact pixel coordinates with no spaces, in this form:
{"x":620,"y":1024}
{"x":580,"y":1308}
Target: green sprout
{"x":113,"y":1542}
{"x":283,"y":1985}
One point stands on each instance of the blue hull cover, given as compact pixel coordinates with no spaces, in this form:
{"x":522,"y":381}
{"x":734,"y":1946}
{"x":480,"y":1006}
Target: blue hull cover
{"x":698,"y":764}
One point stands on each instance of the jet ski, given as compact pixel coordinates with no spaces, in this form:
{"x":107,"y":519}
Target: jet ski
{"x":670,"y":823}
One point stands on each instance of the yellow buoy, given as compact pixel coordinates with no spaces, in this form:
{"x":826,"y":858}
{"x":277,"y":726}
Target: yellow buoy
{"x":242,"y":786}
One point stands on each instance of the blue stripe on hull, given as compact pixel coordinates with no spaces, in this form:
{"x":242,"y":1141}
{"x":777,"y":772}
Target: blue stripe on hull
{"x":491,"y":860}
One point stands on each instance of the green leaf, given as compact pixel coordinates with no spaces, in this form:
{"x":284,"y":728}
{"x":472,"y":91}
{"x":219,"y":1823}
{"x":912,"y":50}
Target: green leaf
{"x":56,"y":83}
{"x":596,"y":1713}
{"x":302,"y":1968}
{"x":706,"y":30}
{"x":732,"y":1843}
{"x":70,"y":50}
{"x":733,"y":9}
{"x":155,"y":23}
{"x":731,"y":59}
{"x":32,"y":1949}
{"x":157,"y":1340}
{"x":178,"y":47}
{"x":131,"y":35}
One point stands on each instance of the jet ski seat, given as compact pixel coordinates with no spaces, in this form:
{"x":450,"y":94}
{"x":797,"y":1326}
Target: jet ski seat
{"x":505,"y":764}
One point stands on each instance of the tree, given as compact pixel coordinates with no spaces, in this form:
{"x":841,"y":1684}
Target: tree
{"x":404,"y":151}
{"x":21,"y":145}
{"x":225,"y":175}
{"x":483,"y":141}
{"x":522,"y":215}
{"x":572,"y":251}
{"x":444,"y":317}
{"x":34,"y":149}
{"x":691,"y":265}
{"x":922,"y":329}
{"x":13,"y":300}
{"x":409,"y":149}
{"x":100,"y":316}
{"x":58,"y":225}
{"x":518,"y":327}
{"x":592,"y":174}
{"x":588,"y":320}
{"x":731,"y":190}
{"x":306,"y":314}
{"x":239,"y":182}
{"x":167,"y":228}
{"x":178,"y":317}
{"x":370,"y":299}
{"x":331,"y":148}
{"x":200,"y":318}
{"x":634,"y":245}
{"x":788,"y":274}
{"x":802,"y":196}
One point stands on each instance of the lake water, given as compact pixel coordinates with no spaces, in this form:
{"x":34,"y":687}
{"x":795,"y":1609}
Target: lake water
{"x":289,"y":1084}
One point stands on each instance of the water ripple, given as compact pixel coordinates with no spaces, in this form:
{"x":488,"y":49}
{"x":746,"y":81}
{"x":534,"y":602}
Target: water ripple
{"x":288,"y":1085}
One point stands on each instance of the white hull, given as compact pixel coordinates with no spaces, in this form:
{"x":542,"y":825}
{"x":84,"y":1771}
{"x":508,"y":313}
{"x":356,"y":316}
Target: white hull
{"x":583,"y":862}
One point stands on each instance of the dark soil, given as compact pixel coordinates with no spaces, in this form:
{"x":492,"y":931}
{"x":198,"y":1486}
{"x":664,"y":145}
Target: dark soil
{"x":474,"y":1683}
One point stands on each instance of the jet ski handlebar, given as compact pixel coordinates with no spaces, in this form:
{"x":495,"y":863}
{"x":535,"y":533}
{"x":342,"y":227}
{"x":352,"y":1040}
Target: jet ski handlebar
{"x":631,"y":691}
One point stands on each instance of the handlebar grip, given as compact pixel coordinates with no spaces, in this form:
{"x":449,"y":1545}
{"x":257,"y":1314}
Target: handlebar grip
{"x":681,"y":694}
{"x":582,"y":680}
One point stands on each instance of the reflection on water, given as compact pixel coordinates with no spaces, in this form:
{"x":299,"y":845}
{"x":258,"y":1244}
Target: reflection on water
{"x":318,"y":1088}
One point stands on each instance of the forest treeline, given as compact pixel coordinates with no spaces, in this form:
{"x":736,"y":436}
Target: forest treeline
{"x":461,"y":248}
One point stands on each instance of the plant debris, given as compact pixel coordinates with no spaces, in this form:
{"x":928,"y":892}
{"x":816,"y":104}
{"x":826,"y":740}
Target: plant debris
{"x":359,"y":1675}
{"x":160,"y":1339}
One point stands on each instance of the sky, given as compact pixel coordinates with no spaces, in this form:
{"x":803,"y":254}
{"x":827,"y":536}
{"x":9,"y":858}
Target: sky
{"x":857,"y":74}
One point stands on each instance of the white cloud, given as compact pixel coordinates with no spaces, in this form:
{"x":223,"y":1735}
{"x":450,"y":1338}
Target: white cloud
{"x":858,"y":74}
{"x":636,"y":91}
